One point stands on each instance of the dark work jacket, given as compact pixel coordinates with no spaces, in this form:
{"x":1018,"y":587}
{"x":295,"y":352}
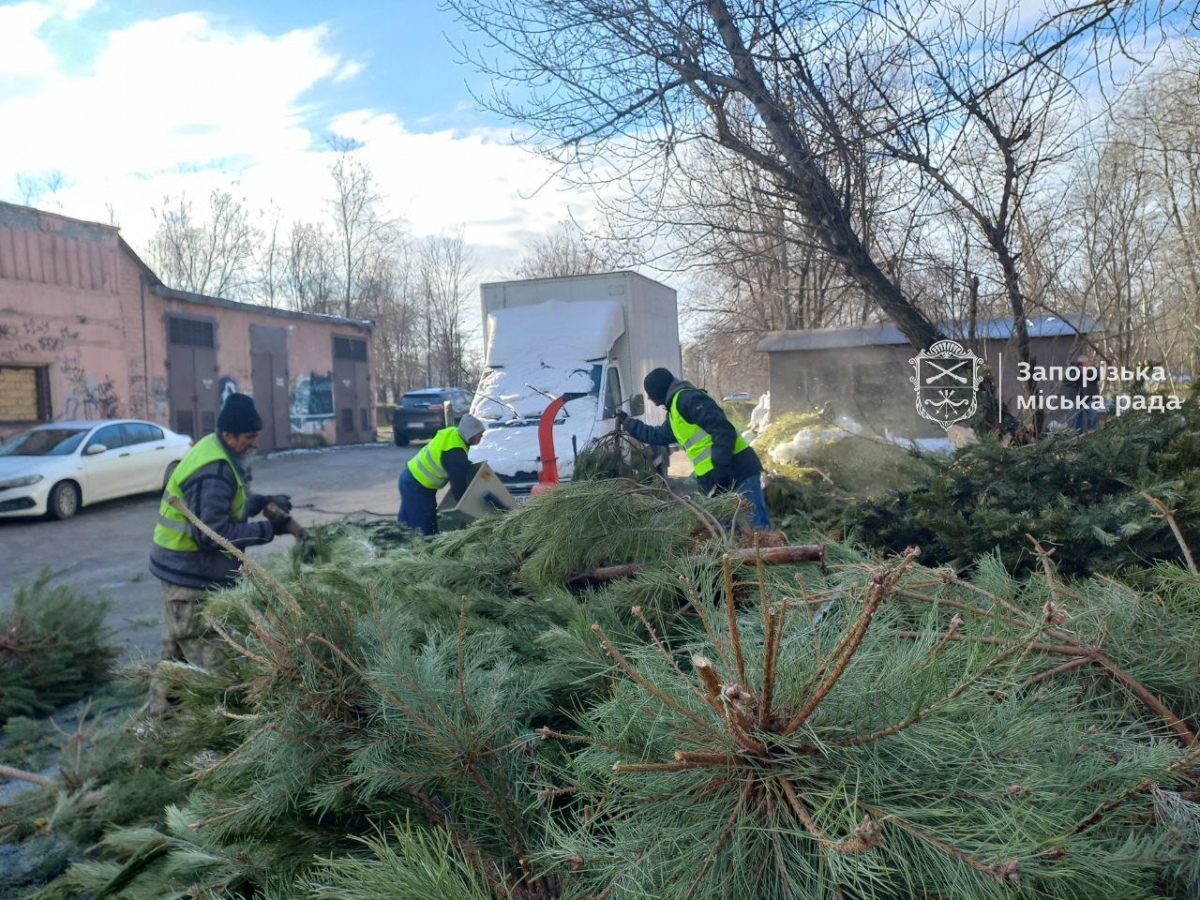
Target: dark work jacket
{"x":458,"y":468}
{"x":697,"y":407}
{"x":209,"y":494}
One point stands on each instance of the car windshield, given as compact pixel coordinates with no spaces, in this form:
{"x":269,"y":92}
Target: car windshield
{"x":44,"y":442}
{"x":420,"y":401}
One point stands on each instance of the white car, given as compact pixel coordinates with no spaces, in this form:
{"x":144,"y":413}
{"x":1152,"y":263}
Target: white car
{"x":56,"y":468}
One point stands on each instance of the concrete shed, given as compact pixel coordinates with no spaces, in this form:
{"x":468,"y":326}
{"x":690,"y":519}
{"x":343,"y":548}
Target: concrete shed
{"x":88,"y":331}
{"x":864,"y":372}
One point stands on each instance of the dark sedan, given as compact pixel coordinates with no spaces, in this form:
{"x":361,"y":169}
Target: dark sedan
{"x":419,"y":414}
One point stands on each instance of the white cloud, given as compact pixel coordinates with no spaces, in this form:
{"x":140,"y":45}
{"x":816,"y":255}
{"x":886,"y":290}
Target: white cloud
{"x":189,"y":103}
{"x":349,"y":70}
{"x":73,"y":9}
{"x":23,"y":56}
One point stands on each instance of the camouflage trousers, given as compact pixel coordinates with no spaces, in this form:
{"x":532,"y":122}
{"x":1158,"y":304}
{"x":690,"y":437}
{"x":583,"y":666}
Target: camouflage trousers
{"x":185,"y":638}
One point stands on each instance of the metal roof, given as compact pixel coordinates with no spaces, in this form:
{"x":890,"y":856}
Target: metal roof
{"x":189,"y":297}
{"x":885,"y":333}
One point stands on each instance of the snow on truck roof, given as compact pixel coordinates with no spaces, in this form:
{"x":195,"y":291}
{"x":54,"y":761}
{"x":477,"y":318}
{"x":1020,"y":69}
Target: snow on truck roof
{"x":555,"y":331}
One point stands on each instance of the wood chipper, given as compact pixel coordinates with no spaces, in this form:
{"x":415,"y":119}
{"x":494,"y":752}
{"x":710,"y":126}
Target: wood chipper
{"x":485,"y":495}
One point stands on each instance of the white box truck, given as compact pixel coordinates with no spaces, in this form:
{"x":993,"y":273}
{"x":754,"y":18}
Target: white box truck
{"x":596,"y":335}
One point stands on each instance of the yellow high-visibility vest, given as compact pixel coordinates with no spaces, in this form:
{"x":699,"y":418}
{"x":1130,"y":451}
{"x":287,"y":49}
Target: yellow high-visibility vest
{"x":173,"y":530}
{"x":426,"y":466}
{"x":697,"y":443}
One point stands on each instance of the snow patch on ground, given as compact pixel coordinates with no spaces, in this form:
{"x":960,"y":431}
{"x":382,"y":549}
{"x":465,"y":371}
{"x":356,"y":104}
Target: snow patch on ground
{"x":807,"y":439}
{"x":926,"y":445}
{"x":760,"y":417}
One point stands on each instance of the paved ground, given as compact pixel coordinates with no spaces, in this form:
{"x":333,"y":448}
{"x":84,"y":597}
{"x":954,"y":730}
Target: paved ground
{"x":106,"y":548}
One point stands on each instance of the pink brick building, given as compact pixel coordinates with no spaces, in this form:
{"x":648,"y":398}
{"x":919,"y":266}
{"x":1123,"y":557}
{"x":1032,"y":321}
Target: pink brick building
{"x":88,"y":331}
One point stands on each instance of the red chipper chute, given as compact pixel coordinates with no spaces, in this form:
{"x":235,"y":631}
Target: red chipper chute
{"x":549,"y":474}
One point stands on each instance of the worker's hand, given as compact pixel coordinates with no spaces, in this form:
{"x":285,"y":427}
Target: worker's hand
{"x":282,"y":501}
{"x":274,"y":513}
{"x":621,"y":416}
{"x":296,"y":530}
{"x":722,"y":481}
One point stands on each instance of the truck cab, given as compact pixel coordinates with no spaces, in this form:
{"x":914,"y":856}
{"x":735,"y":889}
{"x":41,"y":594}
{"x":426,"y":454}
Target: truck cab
{"x":596,"y":335}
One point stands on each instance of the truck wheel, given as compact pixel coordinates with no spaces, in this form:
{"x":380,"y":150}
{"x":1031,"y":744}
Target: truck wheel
{"x":401,"y":440}
{"x":63,"y":501}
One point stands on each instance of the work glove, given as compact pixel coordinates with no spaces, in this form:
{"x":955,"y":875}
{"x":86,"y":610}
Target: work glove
{"x":621,"y":416}
{"x":722,"y":481}
{"x":283,"y":501}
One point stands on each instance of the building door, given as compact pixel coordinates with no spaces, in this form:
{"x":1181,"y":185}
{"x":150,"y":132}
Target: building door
{"x":192,"y":376}
{"x":269,"y":381}
{"x":352,"y":391}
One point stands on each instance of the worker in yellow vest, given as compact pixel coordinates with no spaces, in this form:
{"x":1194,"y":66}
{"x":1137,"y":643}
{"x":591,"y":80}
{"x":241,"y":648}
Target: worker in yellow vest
{"x":721,"y":458}
{"x":440,"y":462}
{"x":212,"y":480}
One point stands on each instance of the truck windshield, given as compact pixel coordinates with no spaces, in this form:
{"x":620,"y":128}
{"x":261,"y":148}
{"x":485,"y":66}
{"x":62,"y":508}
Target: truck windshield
{"x":514,"y":395}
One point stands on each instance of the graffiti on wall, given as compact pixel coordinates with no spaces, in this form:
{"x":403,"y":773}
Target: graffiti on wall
{"x":33,"y":336}
{"x":311,"y":402}
{"x":226,"y":386}
{"x":32,"y":340}
{"x":91,"y":397}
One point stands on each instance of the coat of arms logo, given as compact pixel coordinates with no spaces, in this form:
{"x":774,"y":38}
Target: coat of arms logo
{"x":947,"y":382}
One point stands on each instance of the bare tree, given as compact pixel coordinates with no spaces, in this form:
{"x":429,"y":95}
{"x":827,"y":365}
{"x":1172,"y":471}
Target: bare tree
{"x":310,"y":270}
{"x":445,"y":266}
{"x":362,"y":228}
{"x":213,"y":254}
{"x":42,"y":190}
{"x":388,"y":295}
{"x":1170,"y":116}
{"x":271,"y":257}
{"x":661,"y":76}
{"x":568,"y":250}
{"x":799,"y":90}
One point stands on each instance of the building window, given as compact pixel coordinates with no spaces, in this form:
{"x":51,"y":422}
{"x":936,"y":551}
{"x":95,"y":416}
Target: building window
{"x":191,"y":332}
{"x":24,"y":394}
{"x":349,"y":348}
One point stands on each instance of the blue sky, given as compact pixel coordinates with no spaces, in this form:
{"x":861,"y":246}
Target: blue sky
{"x":411,"y":68}
{"x":137,"y":99}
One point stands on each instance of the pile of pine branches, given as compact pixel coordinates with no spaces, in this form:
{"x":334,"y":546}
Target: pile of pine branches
{"x":449,"y":720}
{"x":1086,"y":495}
{"x":53,"y":647}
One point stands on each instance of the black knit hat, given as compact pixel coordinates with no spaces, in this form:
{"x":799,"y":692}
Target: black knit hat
{"x":657,"y":383}
{"x":238,"y":415}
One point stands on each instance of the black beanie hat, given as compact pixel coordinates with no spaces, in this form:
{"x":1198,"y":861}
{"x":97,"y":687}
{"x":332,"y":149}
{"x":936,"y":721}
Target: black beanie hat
{"x":238,"y":415}
{"x":657,"y":383}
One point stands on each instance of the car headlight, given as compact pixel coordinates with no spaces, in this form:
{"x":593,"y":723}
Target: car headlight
{"x":23,"y":481}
